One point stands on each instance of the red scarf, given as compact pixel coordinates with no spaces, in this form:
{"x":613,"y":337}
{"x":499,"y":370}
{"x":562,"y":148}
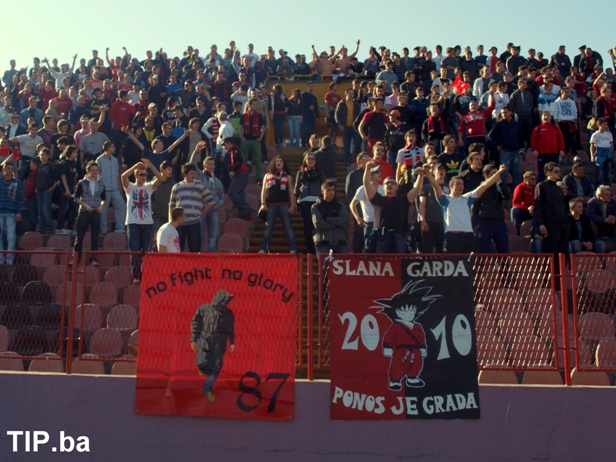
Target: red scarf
{"x":251,"y":124}
{"x":431,"y":124}
{"x":277,"y":175}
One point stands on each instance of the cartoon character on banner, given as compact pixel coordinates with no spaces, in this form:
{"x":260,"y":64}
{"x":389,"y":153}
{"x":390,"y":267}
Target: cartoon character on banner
{"x":212,"y":326}
{"x":405,"y":341}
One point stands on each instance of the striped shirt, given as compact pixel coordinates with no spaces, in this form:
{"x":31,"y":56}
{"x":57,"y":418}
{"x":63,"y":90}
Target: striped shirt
{"x":192,"y":197}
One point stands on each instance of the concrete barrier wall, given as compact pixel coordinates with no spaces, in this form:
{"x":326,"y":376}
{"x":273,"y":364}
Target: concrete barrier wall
{"x":517,"y":423}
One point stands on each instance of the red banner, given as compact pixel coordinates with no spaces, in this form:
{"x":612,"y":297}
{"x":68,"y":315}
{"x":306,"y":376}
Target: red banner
{"x":402,"y":338}
{"x":218,"y":336}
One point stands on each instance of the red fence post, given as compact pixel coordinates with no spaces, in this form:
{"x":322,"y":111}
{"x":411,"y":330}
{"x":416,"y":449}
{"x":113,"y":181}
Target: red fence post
{"x":310,"y":317}
{"x":71,"y":314}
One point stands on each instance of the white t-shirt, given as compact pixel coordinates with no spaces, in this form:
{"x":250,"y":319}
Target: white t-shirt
{"x":602,"y":140}
{"x":457,"y":212}
{"x":168,"y":236}
{"x":367,"y":210}
{"x":139,"y":204}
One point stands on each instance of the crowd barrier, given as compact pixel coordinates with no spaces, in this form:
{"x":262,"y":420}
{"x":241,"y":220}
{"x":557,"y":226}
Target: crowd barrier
{"x":58,"y":314}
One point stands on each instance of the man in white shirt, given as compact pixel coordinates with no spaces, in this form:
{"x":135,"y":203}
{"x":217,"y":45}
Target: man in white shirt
{"x":366,"y":221}
{"x":167,"y":238}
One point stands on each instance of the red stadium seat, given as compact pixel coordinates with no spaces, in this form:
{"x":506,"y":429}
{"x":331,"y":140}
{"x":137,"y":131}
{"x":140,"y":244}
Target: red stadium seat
{"x":132,"y":295}
{"x":119,"y":276}
{"x":31,"y":240}
{"x":515,"y":324}
{"x":124,"y":368}
{"x":10,"y":361}
{"x":90,"y":275}
{"x":115,"y":241}
{"x":231,"y":242}
{"x":54,"y":275}
{"x":592,"y":378}
{"x":123,"y":318}
{"x":59,"y":242}
{"x":5,"y":339}
{"x":104,"y":294}
{"x":106,"y":343}
{"x":505,"y":300}
{"x":595,"y":326}
{"x":253,"y":189}
{"x":91,"y":315}
{"x":606,"y":353}
{"x":488,"y":376}
{"x":38,"y":259}
{"x":238,"y":226}
{"x":36,"y":292}
{"x":253,"y":201}
{"x":48,"y":363}
{"x":528,"y":351}
{"x":542,"y":378}
{"x":64,"y":293}
{"x":88,"y":364}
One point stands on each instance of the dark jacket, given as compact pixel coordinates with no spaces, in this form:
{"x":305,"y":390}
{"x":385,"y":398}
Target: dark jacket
{"x":588,"y":235}
{"x":308,"y":183}
{"x":342,"y":112}
{"x":490,"y":206}
{"x":331,"y":222}
{"x":505,"y":135}
{"x":549,"y":204}
{"x":588,"y":190}
{"x":594,"y":211}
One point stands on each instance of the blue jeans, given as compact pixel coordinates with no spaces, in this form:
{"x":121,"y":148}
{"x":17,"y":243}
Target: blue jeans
{"x":119,"y":210}
{"x":575,"y":246}
{"x":519,"y":216}
{"x":511,"y":160}
{"x":237,"y":193}
{"x":282,"y":211}
{"x":352,"y":144}
{"x":44,"y":210}
{"x":139,"y":237}
{"x":294,"y":130}
{"x":7,"y":225}
{"x":190,"y":233}
{"x":210,"y":222}
{"x":604,"y":172}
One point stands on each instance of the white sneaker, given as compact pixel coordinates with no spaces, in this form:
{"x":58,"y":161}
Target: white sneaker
{"x":261,"y":251}
{"x":62,"y":231}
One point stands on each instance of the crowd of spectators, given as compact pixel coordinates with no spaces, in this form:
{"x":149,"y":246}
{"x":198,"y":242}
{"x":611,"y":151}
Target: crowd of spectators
{"x":151,"y":135}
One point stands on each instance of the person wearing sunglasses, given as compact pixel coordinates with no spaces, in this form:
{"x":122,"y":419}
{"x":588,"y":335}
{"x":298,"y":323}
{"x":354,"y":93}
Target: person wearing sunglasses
{"x":139,"y":220}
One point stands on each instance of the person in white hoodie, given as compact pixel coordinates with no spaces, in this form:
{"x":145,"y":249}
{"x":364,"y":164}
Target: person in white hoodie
{"x":566,"y":114}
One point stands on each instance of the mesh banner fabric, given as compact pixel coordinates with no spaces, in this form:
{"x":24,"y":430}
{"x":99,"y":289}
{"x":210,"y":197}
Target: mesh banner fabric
{"x":218,"y":336}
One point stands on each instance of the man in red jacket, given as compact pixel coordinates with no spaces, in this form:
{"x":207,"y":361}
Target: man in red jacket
{"x":548,"y":143}
{"x":523,"y":202}
{"x":120,"y":116}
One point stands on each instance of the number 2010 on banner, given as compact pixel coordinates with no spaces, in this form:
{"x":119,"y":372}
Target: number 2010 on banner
{"x":369,"y":331}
